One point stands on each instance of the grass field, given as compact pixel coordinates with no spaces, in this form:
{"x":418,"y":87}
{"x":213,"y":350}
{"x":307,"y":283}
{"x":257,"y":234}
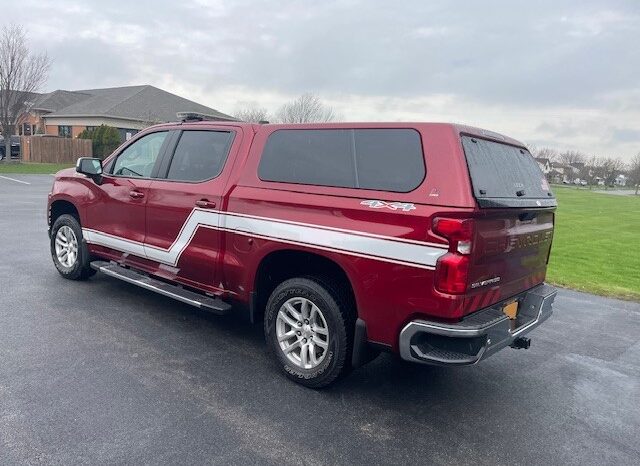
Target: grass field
{"x":32,"y":168}
{"x":596,"y":245}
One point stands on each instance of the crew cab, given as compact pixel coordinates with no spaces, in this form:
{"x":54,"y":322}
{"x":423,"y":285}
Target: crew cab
{"x":428,"y":240}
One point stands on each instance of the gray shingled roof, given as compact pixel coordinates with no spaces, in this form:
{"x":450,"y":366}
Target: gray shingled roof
{"x":56,"y":100}
{"x":142,"y":103}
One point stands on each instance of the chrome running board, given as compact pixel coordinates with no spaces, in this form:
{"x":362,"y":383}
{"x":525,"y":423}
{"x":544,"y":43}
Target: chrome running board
{"x":198,"y":300}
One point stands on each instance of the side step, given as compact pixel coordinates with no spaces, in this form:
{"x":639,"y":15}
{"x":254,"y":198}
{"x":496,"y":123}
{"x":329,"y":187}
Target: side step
{"x":207,"y":303}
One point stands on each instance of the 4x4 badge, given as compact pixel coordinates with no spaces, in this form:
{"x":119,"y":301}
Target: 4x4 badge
{"x":404,"y":206}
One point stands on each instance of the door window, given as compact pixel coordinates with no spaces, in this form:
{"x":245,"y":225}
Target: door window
{"x":139,"y":158}
{"x":200,"y":155}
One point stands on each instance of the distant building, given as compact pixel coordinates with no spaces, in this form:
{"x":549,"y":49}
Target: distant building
{"x":554,"y":176}
{"x":621,"y":180}
{"x":130,"y":109}
{"x":544,"y":164}
{"x":563,"y":173}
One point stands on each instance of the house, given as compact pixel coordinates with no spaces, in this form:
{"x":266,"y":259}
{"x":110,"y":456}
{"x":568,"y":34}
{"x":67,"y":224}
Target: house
{"x":129,"y":109}
{"x":544,"y":164}
{"x":621,"y":180}
{"x":560,"y":172}
{"x":564,"y":173}
{"x":554,"y":176}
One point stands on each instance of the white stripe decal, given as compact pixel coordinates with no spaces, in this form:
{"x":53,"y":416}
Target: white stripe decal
{"x":113,"y":242}
{"x":411,"y":253}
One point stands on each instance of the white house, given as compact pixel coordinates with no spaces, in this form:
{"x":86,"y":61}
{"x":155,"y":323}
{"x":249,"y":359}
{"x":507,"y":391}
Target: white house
{"x":544,"y":164}
{"x":564,"y":173}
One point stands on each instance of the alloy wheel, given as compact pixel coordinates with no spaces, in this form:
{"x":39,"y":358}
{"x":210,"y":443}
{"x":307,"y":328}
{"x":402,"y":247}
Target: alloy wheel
{"x":66,"y":246}
{"x":302,"y":332}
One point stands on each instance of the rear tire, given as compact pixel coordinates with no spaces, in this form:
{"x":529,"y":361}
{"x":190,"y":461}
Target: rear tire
{"x":308,"y":327}
{"x":68,"y":250}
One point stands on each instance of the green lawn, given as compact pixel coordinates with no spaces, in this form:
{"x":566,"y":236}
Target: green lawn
{"x":31,"y":168}
{"x":596,"y":245}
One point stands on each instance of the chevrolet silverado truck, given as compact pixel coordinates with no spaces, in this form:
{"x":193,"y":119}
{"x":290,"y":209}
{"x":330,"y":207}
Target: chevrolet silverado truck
{"x":427,"y":240}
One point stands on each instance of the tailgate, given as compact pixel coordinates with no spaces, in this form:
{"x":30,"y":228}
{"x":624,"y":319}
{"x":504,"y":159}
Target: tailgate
{"x":510,"y":254}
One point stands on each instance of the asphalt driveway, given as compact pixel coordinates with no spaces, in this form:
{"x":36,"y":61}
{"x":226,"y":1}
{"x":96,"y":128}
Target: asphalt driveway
{"x":103,"y":372}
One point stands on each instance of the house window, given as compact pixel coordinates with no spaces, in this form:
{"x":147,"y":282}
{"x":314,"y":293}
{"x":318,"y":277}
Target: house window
{"x":126,"y":133}
{"x":26,"y":129}
{"x":64,"y":131}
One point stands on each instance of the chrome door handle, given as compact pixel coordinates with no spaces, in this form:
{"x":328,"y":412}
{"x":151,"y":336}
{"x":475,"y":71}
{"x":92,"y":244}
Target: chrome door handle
{"x":206,"y":204}
{"x":136,"y":194}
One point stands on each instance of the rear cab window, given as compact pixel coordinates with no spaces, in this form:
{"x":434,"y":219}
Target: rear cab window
{"x":503,"y":175}
{"x":385,"y":159}
{"x":199,"y":155}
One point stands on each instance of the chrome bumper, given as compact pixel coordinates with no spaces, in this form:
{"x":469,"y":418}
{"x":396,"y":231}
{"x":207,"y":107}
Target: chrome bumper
{"x":478,"y":335}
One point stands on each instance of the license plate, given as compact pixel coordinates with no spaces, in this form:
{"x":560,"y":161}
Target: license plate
{"x":511,"y":310}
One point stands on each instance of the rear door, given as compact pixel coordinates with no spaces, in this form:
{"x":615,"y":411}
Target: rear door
{"x":183,"y":206}
{"x":514,"y":228}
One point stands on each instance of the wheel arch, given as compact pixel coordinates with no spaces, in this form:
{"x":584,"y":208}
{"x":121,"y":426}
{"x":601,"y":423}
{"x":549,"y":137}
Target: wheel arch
{"x":61,"y":207}
{"x":282,"y":264}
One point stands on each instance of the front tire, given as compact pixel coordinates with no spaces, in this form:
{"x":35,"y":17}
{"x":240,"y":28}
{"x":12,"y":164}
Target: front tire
{"x":68,"y":250}
{"x":307,"y":327}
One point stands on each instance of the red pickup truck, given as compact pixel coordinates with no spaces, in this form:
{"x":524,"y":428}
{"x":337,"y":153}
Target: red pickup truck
{"x":428,"y":240}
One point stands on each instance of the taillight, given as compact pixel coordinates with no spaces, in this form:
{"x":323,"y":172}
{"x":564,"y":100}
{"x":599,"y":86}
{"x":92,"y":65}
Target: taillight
{"x":452,"y":269}
{"x":458,"y":231}
{"x":451,"y":273}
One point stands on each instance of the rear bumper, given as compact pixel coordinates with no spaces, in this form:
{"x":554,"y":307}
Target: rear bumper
{"x":478,"y":335}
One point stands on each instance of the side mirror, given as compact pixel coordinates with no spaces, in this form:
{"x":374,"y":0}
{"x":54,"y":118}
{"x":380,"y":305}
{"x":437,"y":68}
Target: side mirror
{"x":91,"y":167}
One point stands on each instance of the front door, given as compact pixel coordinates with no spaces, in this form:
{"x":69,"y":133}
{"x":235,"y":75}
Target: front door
{"x":115,"y":217}
{"x":183,"y":205}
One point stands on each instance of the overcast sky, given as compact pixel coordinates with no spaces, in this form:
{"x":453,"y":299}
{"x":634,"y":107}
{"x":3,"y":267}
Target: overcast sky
{"x":559,"y":73}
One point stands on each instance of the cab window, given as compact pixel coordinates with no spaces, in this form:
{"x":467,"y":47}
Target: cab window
{"x":200,"y":155}
{"x":138,"y":159}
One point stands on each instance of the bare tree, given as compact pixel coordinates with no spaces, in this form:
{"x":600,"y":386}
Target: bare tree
{"x":307,"y":108}
{"x":543,"y":152}
{"x":611,"y":168}
{"x":634,"y":172}
{"x":21,"y":74}
{"x":572,"y":156}
{"x":252,"y":114}
{"x":592,"y":169}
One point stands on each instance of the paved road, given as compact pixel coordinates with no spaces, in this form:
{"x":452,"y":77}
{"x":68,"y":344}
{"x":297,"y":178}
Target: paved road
{"x":617,"y":192}
{"x":102,"y":372}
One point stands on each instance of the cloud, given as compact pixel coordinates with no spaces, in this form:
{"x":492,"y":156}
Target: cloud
{"x":559,"y":72}
{"x":597,"y":23}
{"x":623,"y":135}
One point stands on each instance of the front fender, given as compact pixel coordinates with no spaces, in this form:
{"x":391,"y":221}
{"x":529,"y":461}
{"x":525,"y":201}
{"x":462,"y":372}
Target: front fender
{"x":70,"y":187}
